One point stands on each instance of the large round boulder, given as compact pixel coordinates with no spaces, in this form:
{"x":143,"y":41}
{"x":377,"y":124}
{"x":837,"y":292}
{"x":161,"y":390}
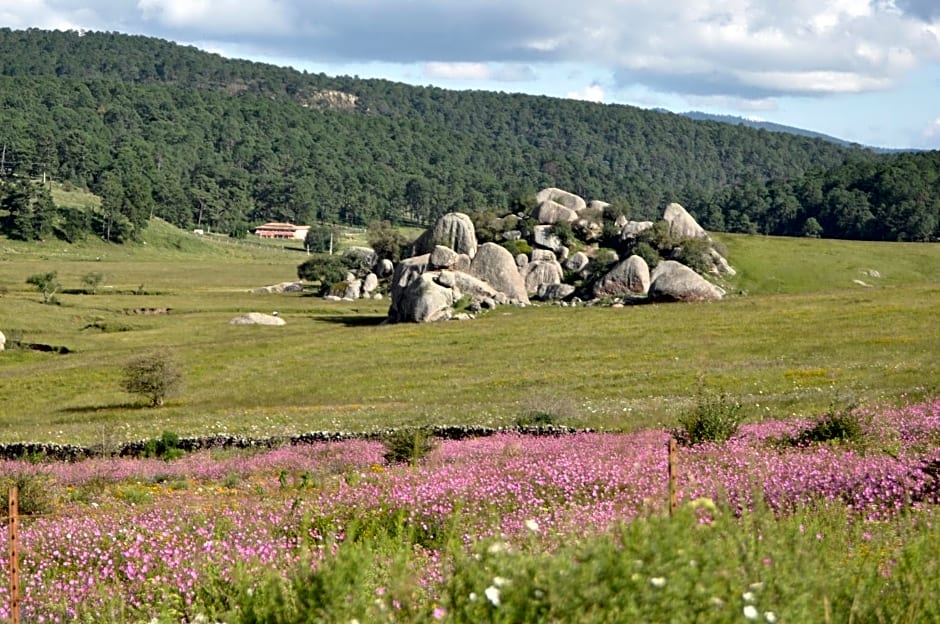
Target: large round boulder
{"x":628,"y":277}
{"x":551,"y":212}
{"x":423,"y":301}
{"x":673,"y":281}
{"x":566,"y":199}
{"x":541,"y":273}
{"x":453,"y":230}
{"x":496,"y":266}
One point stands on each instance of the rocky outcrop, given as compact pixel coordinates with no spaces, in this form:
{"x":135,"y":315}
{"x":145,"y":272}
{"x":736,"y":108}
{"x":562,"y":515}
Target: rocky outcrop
{"x":554,"y":292}
{"x":454,"y":230}
{"x":257,"y":318}
{"x":672,"y":281}
{"x":566,"y":199}
{"x":682,"y":224}
{"x":629,"y":277}
{"x":496,"y":266}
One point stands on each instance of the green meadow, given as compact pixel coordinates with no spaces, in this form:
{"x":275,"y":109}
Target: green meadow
{"x":808,"y":324}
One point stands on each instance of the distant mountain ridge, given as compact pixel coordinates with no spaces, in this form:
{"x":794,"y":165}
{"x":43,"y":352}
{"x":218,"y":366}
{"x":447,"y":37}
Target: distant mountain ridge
{"x":775,"y":127}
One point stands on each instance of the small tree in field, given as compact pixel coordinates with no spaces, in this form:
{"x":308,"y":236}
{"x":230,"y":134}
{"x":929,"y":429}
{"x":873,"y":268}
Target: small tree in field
{"x":46,"y":283}
{"x":154,"y":376}
{"x":91,"y":281}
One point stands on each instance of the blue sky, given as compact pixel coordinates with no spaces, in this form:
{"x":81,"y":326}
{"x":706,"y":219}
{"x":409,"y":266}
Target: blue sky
{"x":862,"y":70}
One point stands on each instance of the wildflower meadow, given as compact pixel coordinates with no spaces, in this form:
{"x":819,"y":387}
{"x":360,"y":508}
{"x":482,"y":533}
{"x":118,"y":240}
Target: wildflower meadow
{"x":770,"y":527}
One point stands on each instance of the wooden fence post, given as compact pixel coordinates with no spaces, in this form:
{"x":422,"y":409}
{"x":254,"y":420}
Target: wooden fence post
{"x":14,"y":556}
{"x":673,"y":493}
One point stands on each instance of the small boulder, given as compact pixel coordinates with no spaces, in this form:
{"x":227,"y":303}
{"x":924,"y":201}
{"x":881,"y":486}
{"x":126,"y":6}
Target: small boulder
{"x":3,"y":341}
{"x":673,"y":281}
{"x":370,"y":283}
{"x":632,"y":229}
{"x":543,"y":236}
{"x":443,"y":257}
{"x":283,"y":287}
{"x":383,"y":268}
{"x":554,"y":292}
{"x":363,"y":256}
{"x":577,"y":262}
{"x":257,"y":318}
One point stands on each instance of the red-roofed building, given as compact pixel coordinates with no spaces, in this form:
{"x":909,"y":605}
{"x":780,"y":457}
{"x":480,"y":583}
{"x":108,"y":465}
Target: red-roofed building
{"x":282,"y":230}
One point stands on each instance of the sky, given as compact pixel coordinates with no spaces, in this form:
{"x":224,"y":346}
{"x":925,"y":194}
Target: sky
{"x":862,"y":70}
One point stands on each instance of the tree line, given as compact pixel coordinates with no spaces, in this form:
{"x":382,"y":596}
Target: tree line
{"x":158,"y":129}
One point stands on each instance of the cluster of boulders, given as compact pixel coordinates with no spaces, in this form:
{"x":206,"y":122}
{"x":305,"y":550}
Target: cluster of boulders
{"x":451,"y":274}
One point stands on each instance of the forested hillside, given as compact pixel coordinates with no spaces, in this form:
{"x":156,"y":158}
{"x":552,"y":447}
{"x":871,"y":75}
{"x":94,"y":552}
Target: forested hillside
{"x":161,"y":129}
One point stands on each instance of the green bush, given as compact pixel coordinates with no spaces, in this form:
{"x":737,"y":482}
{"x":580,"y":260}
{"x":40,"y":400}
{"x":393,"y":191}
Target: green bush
{"x":407,"y":446}
{"x":516,"y":247}
{"x":36,"y":493}
{"x":165,"y":447}
{"x":836,"y":425}
{"x":715,"y":418}
{"x":646,"y":251}
{"x":694,"y":253}
{"x":325,"y":269}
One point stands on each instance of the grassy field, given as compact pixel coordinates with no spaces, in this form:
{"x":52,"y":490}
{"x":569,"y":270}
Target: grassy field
{"x":804,"y":337}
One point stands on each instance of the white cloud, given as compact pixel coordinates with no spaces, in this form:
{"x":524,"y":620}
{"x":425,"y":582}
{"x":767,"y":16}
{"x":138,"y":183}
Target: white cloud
{"x":734,"y":103}
{"x":591,"y":93}
{"x":263,"y":17}
{"x":462,"y":71}
{"x":932,"y":131}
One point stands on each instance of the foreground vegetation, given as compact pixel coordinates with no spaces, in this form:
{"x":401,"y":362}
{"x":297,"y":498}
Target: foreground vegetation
{"x":505,"y":529}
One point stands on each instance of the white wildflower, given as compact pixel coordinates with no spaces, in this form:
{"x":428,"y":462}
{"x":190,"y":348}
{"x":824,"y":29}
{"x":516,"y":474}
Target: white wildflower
{"x":770,"y":616}
{"x":473,"y":596}
{"x":748,"y":596}
{"x":658,"y":581}
{"x":750,"y":612}
{"x":499,"y":581}
{"x":497,"y":547}
{"x":492,"y":594}
{"x":532,"y":525}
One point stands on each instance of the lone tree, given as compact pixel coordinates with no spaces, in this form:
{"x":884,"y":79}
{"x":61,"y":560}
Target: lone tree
{"x":91,"y":281}
{"x":154,"y":376}
{"x":46,"y":283}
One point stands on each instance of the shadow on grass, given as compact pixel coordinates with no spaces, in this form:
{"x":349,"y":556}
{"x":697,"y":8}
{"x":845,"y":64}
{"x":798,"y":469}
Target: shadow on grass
{"x":94,"y":409}
{"x":354,"y":320}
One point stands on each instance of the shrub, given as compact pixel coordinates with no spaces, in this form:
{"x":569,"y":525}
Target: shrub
{"x":715,"y":418}
{"x":694,"y":253}
{"x":516,"y":247}
{"x":165,"y":447}
{"x":325,"y":269}
{"x":646,"y":251}
{"x":407,"y":446}
{"x":154,"y":376}
{"x":565,"y":234}
{"x":386,"y":241}
{"x":36,"y":493}
{"x":834,"y":426}
{"x":91,"y":281}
